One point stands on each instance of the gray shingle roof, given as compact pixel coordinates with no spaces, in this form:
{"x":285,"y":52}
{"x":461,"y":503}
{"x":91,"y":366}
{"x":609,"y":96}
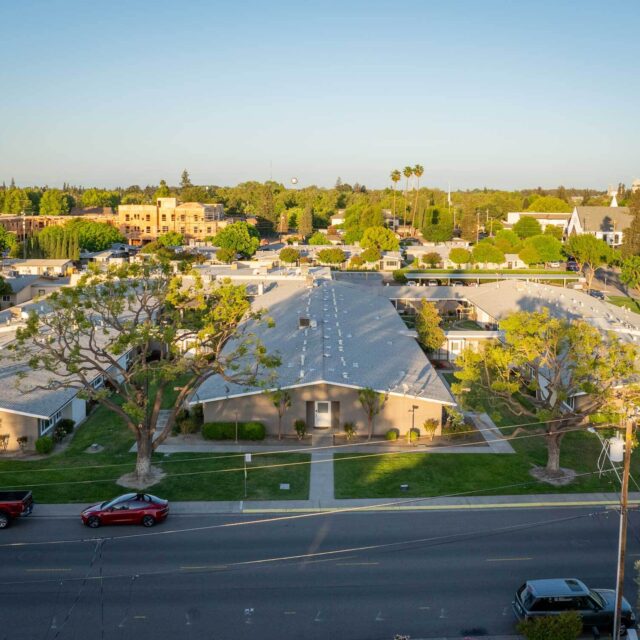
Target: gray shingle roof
{"x":358,"y":340}
{"x":604,"y":218}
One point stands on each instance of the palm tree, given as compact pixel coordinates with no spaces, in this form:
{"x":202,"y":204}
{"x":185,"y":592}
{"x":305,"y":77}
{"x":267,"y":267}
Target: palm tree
{"x":418,"y":170}
{"x":407,"y":172}
{"x":395,"y":178}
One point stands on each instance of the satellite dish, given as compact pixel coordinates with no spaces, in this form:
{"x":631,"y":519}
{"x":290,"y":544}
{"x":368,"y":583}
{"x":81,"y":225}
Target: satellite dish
{"x":294,"y":180}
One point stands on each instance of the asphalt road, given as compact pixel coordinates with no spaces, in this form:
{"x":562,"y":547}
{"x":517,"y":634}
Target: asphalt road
{"x":347,"y":576}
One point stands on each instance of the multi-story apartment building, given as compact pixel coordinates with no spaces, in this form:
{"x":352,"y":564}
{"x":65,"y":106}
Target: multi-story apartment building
{"x":142,"y":223}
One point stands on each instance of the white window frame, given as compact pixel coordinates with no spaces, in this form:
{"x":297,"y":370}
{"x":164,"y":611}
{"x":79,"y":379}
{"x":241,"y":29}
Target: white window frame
{"x":45,"y":425}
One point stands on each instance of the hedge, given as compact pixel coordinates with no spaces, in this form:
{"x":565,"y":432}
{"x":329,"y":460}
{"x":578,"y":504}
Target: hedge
{"x":227,"y":431}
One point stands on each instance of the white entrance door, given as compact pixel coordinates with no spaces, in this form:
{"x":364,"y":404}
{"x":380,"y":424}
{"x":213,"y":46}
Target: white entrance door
{"x":322,"y":415}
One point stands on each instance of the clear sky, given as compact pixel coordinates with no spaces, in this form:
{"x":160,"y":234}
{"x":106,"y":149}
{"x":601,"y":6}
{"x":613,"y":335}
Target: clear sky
{"x":507,"y":94}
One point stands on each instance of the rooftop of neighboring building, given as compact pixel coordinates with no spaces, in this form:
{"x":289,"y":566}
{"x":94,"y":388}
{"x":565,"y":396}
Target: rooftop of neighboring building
{"x":604,"y":218}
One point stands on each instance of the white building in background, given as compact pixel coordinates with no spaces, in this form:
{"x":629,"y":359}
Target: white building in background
{"x":545,"y":220}
{"x":605,"y":223}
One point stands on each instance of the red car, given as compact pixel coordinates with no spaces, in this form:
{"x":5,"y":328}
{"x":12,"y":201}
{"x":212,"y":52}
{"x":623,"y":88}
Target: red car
{"x":131,"y":508}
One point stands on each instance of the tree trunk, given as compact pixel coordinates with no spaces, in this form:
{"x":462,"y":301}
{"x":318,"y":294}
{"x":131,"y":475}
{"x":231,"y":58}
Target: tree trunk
{"x":279,"y":427}
{"x":143,"y":460}
{"x":553,"y":453}
{"x":370,"y":428}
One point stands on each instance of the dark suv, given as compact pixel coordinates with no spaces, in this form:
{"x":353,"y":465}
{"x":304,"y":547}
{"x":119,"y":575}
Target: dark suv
{"x":537,"y":598}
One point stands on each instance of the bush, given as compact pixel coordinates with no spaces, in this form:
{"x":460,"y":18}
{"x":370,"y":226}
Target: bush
{"x":67,"y":424}
{"x":566,"y":626}
{"x":227,"y":431}
{"x":392,"y":434}
{"x":301,"y":428}
{"x":349,"y":430}
{"x":430,"y":427}
{"x":414,"y":434}
{"x":399,"y":276}
{"x":22,"y":442}
{"x":44,"y":444}
{"x":58,"y":433}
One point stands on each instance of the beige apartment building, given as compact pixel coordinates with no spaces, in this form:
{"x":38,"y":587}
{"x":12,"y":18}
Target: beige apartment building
{"x":142,"y":223}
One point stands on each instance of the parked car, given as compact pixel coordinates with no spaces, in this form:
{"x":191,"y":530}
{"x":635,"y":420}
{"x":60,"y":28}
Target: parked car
{"x":131,"y":508}
{"x":412,"y":283}
{"x":537,"y":598}
{"x":596,"y":294}
{"x":457,"y":283}
{"x":553,"y":265}
{"x":432,"y":283}
{"x":14,"y":504}
{"x":572,"y":266}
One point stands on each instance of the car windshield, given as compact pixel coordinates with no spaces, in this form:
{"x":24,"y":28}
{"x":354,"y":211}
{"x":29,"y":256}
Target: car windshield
{"x":598,"y":598}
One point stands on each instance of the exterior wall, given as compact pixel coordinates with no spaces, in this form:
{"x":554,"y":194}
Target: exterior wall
{"x":17,"y":425}
{"x":142,"y":223}
{"x":396,"y":412}
{"x":77,"y":410}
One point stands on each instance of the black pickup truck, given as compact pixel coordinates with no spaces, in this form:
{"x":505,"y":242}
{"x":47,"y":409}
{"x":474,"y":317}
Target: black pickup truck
{"x":14,"y":504}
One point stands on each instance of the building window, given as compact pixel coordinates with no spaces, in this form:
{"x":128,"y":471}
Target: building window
{"x":164,"y":217}
{"x":182,"y":218}
{"x":148,"y":229}
{"x":46,"y":424}
{"x":148,"y":218}
{"x":208,"y":229}
{"x":127,"y":217}
{"x":165,"y":229}
{"x":195,"y":229}
{"x":6,"y":298}
{"x":98,"y":382}
{"x":182,"y":230}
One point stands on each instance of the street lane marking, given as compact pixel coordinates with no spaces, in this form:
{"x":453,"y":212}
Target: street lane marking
{"x":289,"y":613}
{"x":204,"y":567}
{"x":506,"y":559}
{"x":355,"y":564}
{"x":45,"y":570}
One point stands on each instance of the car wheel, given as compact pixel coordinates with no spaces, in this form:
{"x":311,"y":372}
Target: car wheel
{"x":4,"y":520}
{"x":148,"y":521}
{"x":93,"y":522}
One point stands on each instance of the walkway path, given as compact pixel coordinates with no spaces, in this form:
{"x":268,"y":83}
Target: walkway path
{"x":321,"y":480}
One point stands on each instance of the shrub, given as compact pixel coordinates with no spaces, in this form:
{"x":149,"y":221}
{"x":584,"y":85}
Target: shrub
{"x":414,"y":434}
{"x":58,"y":433}
{"x":430,"y":427}
{"x":301,"y":428}
{"x":22,"y":442}
{"x":566,"y":626}
{"x":349,"y":430}
{"x":399,"y":276}
{"x":67,"y":424}
{"x":44,"y":444}
{"x":455,"y":426}
{"x":227,"y":431}
{"x":392,"y":434}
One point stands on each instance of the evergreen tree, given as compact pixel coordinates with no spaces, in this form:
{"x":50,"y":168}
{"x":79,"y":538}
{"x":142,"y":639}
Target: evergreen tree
{"x":185,"y":180}
{"x":305,"y":222}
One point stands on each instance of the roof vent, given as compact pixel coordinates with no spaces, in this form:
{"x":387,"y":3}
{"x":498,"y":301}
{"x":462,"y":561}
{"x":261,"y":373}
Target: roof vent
{"x":303,"y":322}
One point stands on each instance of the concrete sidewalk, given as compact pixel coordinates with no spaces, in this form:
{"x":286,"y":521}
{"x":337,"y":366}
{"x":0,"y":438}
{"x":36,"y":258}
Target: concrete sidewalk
{"x":374,"y":505}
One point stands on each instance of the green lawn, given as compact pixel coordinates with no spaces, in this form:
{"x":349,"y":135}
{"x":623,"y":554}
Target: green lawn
{"x":455,"y":272}
{"x":624,"y":301}
{"x":438,"y":474}
{"x":76,"y":476}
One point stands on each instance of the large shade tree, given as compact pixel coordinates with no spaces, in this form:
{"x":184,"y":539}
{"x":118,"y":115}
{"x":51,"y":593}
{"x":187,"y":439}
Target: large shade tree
{"x":589,"y":252}
{"x":145,"y":330}
{"x":551,"y":361}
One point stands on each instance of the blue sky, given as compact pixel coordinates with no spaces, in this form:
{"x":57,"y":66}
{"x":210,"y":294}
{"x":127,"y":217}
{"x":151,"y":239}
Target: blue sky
{"x":504,"y":94}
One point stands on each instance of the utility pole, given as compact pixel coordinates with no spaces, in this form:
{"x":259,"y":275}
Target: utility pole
{"x":24,"y":234}
{"x":622,"y":540}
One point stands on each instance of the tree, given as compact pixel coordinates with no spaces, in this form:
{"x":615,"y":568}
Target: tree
{"x":142,"y":328}
{"x":185,"y":180}
{"x":100,"y":198}
{"x":318,"y":239}
{"x":162,"y":191}
{"x":469,"y":226}
{"x":542,"y":248}
{"x":289,"y":255}
{"x":372,"y":254}
{"x":433,"y":259}
{"x":631,"y":236}
{"x":630,"y":272}
{"x":484,"y":252}
{"x":381,"y":238}
{"x":395,"y":178}
{"x":170,"y":239}
{"x":407,"y":172}
{"x":550,"y":360}
{"x":549,"y":204}
{"x":8,"y":240}
{"x":507,"y":241}
{"x":240,"y":237}
{"x":460,"y":256}
{"x":418,"y":170}
{"x":55,"y":203}
{"x":305,"y":222}
{"x":527,"y":227}
{"x":589,"y":252}
{"x":554,"y":231}
{"x":428,"y":322}
{"x":372,"y":403}
{"x":92,"y":236}
{"x":16,"y":201}
{"x":281,"y":399}
{"x":331,"y":256}
{"x":225,"y":255}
